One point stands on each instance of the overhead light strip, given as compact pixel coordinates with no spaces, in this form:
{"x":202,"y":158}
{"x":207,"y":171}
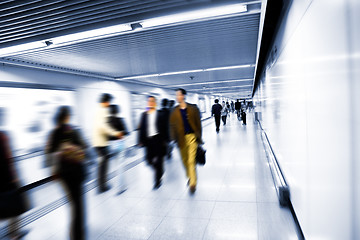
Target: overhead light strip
{"x":213,"y":82}
{"x":185,"y":72}
{"x":227,"y":91}
{"x":92,"y":34}
{"x":22,"y":48}
{"x":206,"y":89}
{"x":67,"y":39}
{"x":195,"y":15}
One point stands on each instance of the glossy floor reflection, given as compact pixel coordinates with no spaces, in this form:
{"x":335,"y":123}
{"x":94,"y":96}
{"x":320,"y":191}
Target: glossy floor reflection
{"x":235,"y":198}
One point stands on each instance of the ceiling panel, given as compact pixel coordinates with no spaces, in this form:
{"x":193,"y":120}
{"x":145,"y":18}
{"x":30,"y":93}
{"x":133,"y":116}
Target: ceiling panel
{"x":180,"y":80}
{"x":198,"y":45}
{"x":215,"y":43}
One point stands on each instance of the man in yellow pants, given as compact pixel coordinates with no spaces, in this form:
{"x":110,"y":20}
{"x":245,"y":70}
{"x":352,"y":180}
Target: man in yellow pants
{"x":185,"y":128}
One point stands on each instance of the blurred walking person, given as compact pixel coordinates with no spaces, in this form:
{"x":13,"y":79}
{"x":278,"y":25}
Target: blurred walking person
{"x":237,"y":109}
{"x":171,"y":105}
{"x":102,"y":131}
{"x":232,"y":106}
{"x":243,"y":112}
{"x":185,"y":128}
{"x":166,"y":112}
{"x":118,"y":145}
{"x":13,"y":203}
{"x":153,"y":135}
{"x":224,"y":112}
{"x":68,"y":149}
{"x":216,"y":112}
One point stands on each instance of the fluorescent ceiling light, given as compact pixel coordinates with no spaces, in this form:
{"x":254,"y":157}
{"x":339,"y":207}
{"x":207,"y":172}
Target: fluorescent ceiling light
{"x":139,"y":76}
{"x":214,"y":82}
{"x":227,"y":91}
{"x":184,"y":72}
{"x":230,"y":67}
{"x":87,"y":35}
{"x":195,"y":15}
{"x":22,"y":48}
{"x":181,"y":72}
{"x":206,"y":89}
{"x":71,"y":38}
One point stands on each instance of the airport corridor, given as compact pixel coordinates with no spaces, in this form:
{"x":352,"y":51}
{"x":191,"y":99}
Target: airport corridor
{"x":235,"y":197}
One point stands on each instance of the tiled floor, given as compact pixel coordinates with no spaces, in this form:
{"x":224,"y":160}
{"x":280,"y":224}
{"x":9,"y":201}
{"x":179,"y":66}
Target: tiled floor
{"x":235,"y":198}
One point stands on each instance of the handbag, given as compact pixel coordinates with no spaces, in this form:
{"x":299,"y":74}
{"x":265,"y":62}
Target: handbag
{"x":200,"y":155}
{"x":12,"y":203}
{"x":71,"y":153}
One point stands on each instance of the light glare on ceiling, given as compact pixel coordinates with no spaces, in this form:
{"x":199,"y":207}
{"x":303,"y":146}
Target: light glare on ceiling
{"x":22,"y":47}
{"x":184,"y":72}
{"x":87,"y":35}
{"x":195,"y":15}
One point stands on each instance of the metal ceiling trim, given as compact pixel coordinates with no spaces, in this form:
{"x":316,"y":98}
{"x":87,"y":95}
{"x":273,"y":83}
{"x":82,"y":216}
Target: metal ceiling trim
{"x":73,"y":72}
{"x":209,"y":69}
{"x":261,"y":28}
{"x":223,"y":88}
{"x":73,"y":20}
{"x":52,"y":28}
{"x":5,"y":61}
{"x":251,"y":12}
{"x":214,"y":82}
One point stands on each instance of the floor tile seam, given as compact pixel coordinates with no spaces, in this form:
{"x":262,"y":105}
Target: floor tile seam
{"x":212,"y":211}
{"x":116,"y":221}
{"x":98,"y":206}
{"x":257,"y":221}
{"x":58,"y":229}
{"x":207,"y":225}
{"x":222,"y":183}
{"x":237,"y":201}
{"x":195,"y":200}
{"x":156,"y":228}
{"x":172,"y":205}
{"x":187,"y":217}
{"x":175,"y":201}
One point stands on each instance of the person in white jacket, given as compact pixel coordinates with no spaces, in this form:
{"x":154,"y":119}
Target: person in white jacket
{"x":102,"y":131}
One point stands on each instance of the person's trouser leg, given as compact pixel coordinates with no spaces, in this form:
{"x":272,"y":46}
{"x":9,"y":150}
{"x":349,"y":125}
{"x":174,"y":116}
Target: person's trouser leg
{"x":121,"y":171}
{"x":78,"y":221}
{"x":184,"y":157}
{"x":188,"y":154}
{"x":217,"y":122}
{"x":159,"y":168}
{"x":77,"y":229}
{"x":103,"y":164}
{"x":155,"y":155}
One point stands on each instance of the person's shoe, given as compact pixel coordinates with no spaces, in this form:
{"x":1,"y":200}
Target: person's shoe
{"x":121,"y":191}
{"x":192,"y":189}
{"x":157,"y":185}
{"x":104,"y":189}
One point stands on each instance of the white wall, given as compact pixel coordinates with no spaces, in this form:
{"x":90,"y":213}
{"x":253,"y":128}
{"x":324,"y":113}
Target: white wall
{"x":354,"y":50}
{"x":310,"y":110}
